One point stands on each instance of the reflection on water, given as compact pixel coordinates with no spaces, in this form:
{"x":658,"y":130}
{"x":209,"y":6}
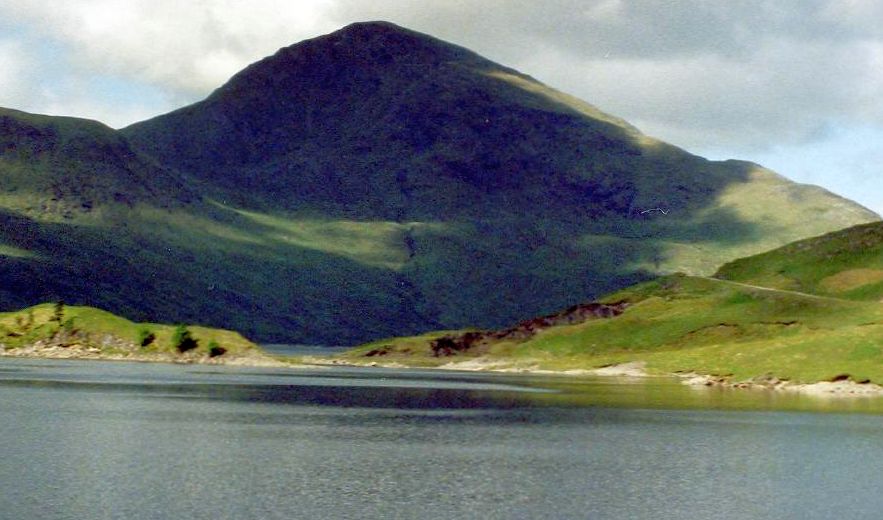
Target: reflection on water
{"x":287,"y":349}
{"x":114,"y":440}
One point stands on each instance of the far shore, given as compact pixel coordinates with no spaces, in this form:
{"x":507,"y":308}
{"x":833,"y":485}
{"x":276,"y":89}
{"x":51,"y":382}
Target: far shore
{"x":633,"y":370}
{"x":637,"y":370}
{"x":252,"y":359}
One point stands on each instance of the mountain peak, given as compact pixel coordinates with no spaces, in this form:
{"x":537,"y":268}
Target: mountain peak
{"x":389,"y":37}
{"x":377,"y":27}
{"x":359,"y":48}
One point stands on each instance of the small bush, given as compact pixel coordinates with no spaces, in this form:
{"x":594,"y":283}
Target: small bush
{"x":215,"y":350}
{"x":145,"y":337}
{"x":58,"y":312}
{"x":183,"y":340}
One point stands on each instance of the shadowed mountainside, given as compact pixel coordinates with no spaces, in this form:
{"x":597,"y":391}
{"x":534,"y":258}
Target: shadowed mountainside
{"x":377,"y":182}
{"x":60,"y":167}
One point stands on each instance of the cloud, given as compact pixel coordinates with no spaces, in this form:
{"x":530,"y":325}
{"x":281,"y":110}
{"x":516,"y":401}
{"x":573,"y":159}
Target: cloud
{"x":784,"y":92}
{"x":16,"y":81}
{"x":189,"y":47}
{"x":846,"y":160}
{"x":51,"y":89}
{"x":700,"y":74}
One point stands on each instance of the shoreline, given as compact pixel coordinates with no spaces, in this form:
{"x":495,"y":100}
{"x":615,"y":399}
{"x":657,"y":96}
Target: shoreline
{"x":839,"y":389}
{"x":842,"y":388}
{"x":253,"y":359}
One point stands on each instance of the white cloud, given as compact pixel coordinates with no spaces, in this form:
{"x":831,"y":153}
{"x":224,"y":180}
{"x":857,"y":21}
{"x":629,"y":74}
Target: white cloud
{"x":187,"y":46}
{"x":16,"y":81}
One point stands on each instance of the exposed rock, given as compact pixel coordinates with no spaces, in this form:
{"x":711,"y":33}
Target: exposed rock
{"x":478,"y":340}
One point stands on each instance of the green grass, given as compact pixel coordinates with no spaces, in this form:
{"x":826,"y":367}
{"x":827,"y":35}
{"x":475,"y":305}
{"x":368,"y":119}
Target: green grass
{"x":846,"y":264}
{"x":374,"y":243}
{"x":688,"y":324}
{"x":90,"y":327}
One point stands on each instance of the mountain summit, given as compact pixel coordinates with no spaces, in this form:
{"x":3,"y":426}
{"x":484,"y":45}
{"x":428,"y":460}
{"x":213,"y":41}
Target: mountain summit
{"x":381,"y":122}
{"x":377,"y":182}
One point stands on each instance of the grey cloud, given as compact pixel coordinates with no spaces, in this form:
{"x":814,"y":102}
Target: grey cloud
{"x":701,"y":74}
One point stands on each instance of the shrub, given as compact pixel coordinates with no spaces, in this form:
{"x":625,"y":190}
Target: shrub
{"x":25,"y":322}
{"x":145,"y":337}
{"x":58,"y":312}
{"x":182,"y":340}
{"x":215,"y":350}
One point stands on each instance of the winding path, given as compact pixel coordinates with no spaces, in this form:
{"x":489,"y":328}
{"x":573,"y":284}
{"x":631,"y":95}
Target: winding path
{"x":770,"y":289}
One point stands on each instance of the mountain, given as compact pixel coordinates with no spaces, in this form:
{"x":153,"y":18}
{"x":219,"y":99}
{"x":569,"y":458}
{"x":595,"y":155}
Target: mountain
{"x":376,"y":182}
{"x":844,"y":264}
{"x":68,"y":190}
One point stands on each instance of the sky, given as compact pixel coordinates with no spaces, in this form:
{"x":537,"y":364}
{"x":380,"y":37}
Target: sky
{"x":794,"y":85}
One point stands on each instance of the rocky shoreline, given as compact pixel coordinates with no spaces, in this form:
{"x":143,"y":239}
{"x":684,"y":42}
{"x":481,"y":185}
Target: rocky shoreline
{"x":839,"y":387}
{"x":115,"y":350}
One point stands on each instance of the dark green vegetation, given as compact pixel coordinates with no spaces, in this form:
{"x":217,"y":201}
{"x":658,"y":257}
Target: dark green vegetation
{"x":57,"y":330}
{"x":370,"y":183}
{"x":808,"y":311}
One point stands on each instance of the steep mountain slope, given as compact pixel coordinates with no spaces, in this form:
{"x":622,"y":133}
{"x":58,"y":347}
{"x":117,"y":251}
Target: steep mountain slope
{"x":846,"y":264}
{"x":70,"y":193}
{"x":370,"y":183}
{"x":379,"y":123}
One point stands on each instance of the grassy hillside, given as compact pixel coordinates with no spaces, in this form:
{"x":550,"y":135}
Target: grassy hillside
{"x":688,"y":324}
{"x":846,"y":264}
{"x":58,"y":330}
{"x":61,"y":168}
{"x":370,"y":183}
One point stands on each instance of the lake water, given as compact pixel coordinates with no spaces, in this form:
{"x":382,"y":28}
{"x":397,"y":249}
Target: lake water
{"x":91,"y":440}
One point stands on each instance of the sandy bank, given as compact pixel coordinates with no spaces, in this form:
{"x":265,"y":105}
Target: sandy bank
{"x":634,"y":369}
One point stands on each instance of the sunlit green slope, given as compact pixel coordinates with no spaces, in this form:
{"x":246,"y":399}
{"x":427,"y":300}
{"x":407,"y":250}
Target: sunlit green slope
{"x":688,"y":324}
{"x":58,"y":330}
{"x":846,"y":264}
